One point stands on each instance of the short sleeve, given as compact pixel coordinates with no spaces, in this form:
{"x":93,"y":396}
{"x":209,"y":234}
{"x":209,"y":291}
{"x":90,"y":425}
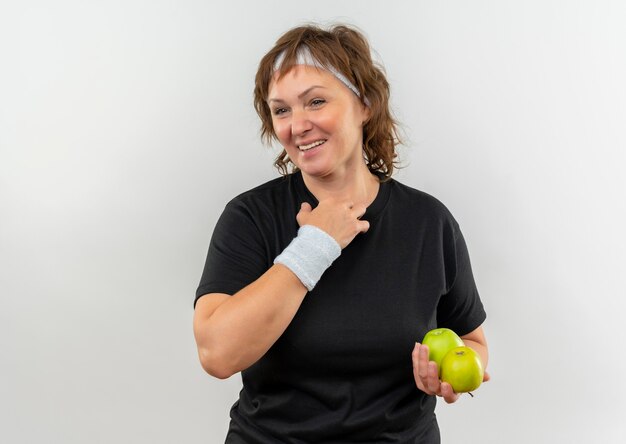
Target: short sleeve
{"x":237,"y":253}
{"x":460,"y":309}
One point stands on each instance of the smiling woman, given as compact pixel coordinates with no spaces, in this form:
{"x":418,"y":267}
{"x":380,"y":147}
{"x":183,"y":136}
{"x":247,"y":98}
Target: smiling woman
{"x":318,"y":284}
{"x":343,"y":53}
{"x":318,"y":121}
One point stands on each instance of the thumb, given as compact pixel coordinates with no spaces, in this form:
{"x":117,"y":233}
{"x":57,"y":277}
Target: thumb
{"x":305,"y":208}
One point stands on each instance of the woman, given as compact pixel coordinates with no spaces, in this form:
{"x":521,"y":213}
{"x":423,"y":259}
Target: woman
{"x":318,"y":284}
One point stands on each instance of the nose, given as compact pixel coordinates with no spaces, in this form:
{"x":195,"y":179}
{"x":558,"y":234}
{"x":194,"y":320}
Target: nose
{"x":300,"y":122}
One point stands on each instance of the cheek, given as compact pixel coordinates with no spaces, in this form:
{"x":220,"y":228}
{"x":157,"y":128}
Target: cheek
{"x":282,"y":130}
{"x":347,"y":128}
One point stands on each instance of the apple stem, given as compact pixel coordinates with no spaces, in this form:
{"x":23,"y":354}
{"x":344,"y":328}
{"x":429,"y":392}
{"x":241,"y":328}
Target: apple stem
{"x":470,"y":393}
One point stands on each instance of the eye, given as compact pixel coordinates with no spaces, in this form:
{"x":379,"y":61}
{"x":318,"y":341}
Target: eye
{"x":279,"y":111}
{"x":317,"y":102}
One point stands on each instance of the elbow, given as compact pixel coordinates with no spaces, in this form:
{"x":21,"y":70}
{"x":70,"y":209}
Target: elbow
{"x":219,"y":373}
{"x":214,"y":366}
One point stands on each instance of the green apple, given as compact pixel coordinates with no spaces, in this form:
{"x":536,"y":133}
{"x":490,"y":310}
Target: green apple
{"x":440,"y":341}
{"x":462,"y":369}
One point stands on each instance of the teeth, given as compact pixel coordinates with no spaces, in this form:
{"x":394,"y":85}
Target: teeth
{"x":311,"y":145}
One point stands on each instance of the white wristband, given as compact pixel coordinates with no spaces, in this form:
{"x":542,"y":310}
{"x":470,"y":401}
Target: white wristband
{"x":309,"y":254}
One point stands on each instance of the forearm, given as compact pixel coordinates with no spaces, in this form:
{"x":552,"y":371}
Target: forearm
{"x":477,"y":341}
{"x":246,"y":324}
{"x":479,"y":348}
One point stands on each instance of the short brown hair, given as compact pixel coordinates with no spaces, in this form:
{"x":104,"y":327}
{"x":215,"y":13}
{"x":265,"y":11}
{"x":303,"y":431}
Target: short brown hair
{"x":348,"y":51}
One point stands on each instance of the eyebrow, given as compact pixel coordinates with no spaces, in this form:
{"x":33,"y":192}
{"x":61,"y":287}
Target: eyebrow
{"x":301,"y":95}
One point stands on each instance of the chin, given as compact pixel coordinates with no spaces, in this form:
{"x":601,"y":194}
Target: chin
{"x":313,"y":169}
{"x":314,"y":172}
{"x":319,"y":168}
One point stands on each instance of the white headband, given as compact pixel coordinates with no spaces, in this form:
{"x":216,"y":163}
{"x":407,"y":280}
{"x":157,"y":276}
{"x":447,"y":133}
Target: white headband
{"x":304,"y":57}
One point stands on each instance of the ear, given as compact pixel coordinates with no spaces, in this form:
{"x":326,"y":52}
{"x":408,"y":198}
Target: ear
{"x":366,"y":112}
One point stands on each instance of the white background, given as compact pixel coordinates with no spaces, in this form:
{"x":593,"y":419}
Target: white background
{"x":125,"y":126}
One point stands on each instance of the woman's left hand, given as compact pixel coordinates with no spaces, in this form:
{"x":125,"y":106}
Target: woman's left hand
{"x":426,"y":375}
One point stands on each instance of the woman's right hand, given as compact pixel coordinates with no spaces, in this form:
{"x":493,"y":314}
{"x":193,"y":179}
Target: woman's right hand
{"x":339,"y":219}
{"x":227,"y":328}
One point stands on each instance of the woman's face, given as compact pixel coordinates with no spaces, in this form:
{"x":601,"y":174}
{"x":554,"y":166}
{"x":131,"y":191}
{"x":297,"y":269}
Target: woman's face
{"x":318,"y":120}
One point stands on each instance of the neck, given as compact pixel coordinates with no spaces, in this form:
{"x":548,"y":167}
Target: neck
{"x":359,"y":186}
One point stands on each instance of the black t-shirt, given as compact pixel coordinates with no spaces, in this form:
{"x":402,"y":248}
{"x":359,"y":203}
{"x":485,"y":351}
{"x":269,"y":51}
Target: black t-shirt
{"x":342,"y":372}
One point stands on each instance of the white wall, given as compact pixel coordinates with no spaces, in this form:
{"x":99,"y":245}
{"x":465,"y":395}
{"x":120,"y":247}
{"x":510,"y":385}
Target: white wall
{"x":125,"y":126}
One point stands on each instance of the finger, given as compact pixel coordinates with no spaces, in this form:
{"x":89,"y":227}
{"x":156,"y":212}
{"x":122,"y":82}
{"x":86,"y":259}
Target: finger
{"x":448,"y":394}
{"x":432,"y":382}
{"x":305,"y":210}
{"x":363,"y":226}
{"x":415,"y":354}
{"x":415,"y":361}
{"x":422,"y":364}
{"x":486,"y":377}
{"x":427,"y":374}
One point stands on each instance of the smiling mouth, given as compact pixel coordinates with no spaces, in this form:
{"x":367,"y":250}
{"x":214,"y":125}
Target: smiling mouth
{"x":311,"y":145}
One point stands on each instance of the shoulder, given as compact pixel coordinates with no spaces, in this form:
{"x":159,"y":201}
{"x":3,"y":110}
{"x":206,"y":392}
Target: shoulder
{"x":269,"y":208}
{"x":251,"y":214}
{"x":270,"y":187}
{"x":270,"y":193}
{"x":420,"y":204}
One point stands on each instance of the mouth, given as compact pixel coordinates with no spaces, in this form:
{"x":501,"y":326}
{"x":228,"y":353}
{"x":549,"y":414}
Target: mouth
{"x":311,"y":145}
